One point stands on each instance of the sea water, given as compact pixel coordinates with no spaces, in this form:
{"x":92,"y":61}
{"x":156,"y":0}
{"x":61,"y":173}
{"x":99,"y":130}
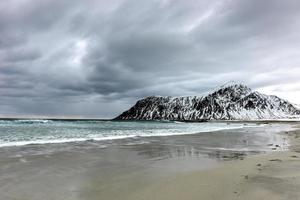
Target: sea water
{"x":23,"y":132}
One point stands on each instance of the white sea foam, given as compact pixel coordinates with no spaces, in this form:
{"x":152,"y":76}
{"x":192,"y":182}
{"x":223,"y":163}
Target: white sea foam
{"x":34,"y":120}
{"x":22,"y":143}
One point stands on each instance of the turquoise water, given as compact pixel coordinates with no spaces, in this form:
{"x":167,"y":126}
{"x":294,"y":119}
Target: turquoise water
{"x":24,"y":132}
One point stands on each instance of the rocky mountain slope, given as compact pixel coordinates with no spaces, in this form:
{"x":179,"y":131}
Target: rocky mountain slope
{"x":230,"y":102}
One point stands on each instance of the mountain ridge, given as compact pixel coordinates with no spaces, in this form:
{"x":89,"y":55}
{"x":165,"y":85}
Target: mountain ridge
{"x":228,"y":102}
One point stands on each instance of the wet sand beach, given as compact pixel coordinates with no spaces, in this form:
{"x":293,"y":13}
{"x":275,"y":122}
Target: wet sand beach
{"x":248,"y":163}
{"x":273,"y":176}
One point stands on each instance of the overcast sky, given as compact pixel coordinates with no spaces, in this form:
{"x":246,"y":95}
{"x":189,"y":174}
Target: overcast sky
{"x":95,"y":58}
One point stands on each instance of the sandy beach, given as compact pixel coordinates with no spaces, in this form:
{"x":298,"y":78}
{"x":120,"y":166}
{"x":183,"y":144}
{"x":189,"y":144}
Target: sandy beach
{"x":273,"y":176}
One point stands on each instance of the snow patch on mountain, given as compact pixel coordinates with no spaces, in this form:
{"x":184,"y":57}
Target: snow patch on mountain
{"x":297,"y":106}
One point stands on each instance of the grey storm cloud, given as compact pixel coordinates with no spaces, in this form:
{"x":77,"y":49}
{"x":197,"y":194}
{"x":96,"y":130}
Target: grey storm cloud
{"x":94,"y":58}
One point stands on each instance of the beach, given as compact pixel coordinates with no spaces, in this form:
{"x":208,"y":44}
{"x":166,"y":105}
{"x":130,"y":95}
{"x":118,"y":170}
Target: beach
{"x":253,"y":162}
{"x":273,"y":176}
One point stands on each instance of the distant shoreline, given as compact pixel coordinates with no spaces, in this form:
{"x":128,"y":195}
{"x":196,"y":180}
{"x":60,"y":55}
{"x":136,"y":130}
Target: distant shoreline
{"x":54,"y":119}
{"x":137,"y":120}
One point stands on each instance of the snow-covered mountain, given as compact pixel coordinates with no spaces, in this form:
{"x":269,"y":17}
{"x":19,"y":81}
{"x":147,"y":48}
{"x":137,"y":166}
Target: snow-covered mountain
{"x":229,"y":102}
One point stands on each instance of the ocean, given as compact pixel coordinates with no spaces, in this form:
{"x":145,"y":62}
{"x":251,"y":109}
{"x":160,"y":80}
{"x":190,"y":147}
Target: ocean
{"x":19,"y":132}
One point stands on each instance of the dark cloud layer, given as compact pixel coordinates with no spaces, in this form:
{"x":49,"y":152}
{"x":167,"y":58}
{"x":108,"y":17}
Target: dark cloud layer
{"x":95,"y":58}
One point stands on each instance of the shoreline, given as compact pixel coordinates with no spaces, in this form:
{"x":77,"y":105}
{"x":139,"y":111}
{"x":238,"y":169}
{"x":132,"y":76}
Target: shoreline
{"x":139,"y":120}
{"x":273,"y":176}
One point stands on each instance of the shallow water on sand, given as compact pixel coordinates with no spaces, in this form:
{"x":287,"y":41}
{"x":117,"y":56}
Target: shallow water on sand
{"x":112,"y":169}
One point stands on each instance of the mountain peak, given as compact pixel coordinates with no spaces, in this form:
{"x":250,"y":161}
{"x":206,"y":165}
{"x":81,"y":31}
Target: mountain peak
{"x":232,"y":91}
{"x":235,"y":85}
